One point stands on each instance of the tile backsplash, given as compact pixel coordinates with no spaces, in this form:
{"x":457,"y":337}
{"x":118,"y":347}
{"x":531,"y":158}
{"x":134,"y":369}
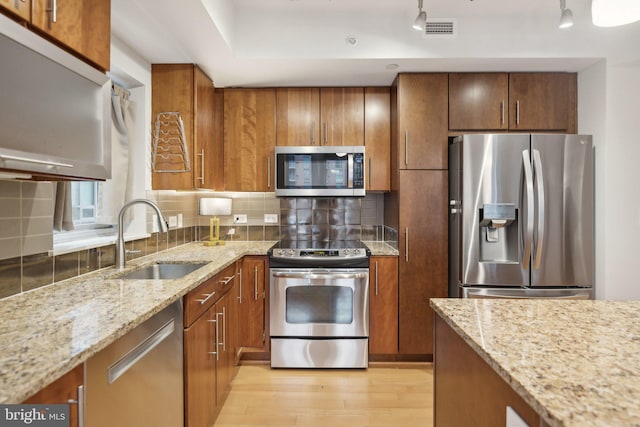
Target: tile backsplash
{"x":26,"y":231}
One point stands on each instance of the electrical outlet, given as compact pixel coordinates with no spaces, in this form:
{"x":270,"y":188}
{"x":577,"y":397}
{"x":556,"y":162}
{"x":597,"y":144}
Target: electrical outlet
{"x":173,"y":221}
{"x":179,"y":220}
{"x":154,"y":223}
{"x":239,"y":219}
{"x":231,"y":231}
{"x":270,"y":218}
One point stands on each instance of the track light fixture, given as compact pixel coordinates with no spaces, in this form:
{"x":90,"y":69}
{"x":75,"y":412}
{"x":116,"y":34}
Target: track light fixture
{"x":566,"y":16}
{"x":421,"y":20}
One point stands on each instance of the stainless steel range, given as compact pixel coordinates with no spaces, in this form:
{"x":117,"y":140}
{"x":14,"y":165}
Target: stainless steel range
{"x":319,"y":304}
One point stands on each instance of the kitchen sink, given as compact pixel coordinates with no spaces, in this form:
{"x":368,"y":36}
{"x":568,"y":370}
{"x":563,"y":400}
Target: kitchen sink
{"x":162,"y":271}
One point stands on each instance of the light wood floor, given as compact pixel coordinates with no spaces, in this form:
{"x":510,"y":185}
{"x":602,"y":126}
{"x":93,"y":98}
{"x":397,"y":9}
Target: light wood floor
{"x":394,"y":396}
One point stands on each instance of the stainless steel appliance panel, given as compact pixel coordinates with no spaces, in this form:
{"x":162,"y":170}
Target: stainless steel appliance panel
{"x":494,"y":172}
{"x":525,"y":293}
{"x":138,"y":380}
{"x":319,"y":353}
{"x":563,"y":250}
{"x":319,"y":302}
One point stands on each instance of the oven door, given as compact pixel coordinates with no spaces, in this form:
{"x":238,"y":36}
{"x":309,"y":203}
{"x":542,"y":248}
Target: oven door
{"x":319,"y":303}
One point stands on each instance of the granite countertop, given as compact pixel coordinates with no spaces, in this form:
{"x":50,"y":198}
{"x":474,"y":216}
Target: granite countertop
{"x":576,"y":363}
{"x":381,"y":249}
{"x":47,"y":332}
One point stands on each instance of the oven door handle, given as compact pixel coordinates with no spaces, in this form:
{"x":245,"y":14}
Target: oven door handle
{"x":288,"y":275}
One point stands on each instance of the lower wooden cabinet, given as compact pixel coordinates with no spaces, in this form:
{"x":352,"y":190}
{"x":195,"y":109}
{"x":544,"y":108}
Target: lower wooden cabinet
{"x":252,"y":303}
{"x":383,"y":305}
{"x":210,"y":352}
{"x":68,"y":389}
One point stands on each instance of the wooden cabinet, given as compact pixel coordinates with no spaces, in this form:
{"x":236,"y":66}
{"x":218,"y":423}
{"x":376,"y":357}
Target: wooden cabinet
{"x":423,"y":262}
{"x":19,"y":8}
{"x":186,"y":89}
{"x":543,"y":101}
{"x":461,"y":376}
{"x":513,"y":101}
{"x":377,"y":138}
{"x":80,"y":26}
{"x":326,"y":116}
{"x":252,"y":329}
{"x":68,"y":389}
{"x":209,"y":347}
{"x":420,"y":134}
{"x":478,"y":101}
{"x":249,"y":139}
{"x":383,"y":305}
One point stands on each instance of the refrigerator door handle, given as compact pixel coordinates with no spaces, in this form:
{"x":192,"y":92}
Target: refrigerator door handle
{"x":528,"y":237}
{"x":539,"y":177}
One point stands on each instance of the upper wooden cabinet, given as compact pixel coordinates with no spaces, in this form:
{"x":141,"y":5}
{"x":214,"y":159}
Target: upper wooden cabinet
{"x":420,"y":121}
{"x":543,"y":101}
{"x":478,"y":101}
{"x":513,"y":101}
{"x":377,"y":135}
{"x":326,"y":116}
{"x":249,"y":139}
{"x":20,"y":8}
{"x":186,"y":89}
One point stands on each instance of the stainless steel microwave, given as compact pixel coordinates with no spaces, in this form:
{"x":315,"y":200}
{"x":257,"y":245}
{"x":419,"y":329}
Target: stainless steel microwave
{"x":320,"y":171}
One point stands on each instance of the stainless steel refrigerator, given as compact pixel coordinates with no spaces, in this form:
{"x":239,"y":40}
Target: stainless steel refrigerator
{"x":521,"y":221}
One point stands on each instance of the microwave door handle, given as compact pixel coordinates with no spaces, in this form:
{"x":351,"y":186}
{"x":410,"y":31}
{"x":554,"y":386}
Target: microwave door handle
{"x":350,"y":171}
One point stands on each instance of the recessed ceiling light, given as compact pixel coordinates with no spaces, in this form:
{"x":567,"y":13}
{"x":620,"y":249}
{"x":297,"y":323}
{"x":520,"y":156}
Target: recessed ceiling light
{"x":392,"y":66}
{"x":351,"y":41}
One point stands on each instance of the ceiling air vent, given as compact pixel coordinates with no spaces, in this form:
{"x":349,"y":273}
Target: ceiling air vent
{"x":440,"y":28}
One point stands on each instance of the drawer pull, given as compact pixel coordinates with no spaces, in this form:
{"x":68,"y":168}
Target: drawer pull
{"x":227,"y":280}
{"x":207,"y":297}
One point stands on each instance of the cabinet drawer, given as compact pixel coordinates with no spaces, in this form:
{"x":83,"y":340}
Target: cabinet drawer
{"x":204,"y":296}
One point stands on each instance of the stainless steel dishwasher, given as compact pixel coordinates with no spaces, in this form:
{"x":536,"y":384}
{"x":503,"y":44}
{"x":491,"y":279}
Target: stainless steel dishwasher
{"x":137,"y":380}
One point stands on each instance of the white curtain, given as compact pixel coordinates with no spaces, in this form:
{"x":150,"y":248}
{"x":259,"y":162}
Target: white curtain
{"x":113,"y":193}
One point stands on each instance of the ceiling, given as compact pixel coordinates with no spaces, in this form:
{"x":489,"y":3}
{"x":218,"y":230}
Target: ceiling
{"x":303,"y":42}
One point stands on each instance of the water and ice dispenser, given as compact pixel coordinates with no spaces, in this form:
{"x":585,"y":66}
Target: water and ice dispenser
{"x":498,"y":233}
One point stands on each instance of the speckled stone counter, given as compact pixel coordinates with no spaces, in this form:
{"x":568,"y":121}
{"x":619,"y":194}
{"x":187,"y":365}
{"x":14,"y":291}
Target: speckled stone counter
{"x":576,"y":363}
{"x":381,"y":249}
{"x":47,"y":332}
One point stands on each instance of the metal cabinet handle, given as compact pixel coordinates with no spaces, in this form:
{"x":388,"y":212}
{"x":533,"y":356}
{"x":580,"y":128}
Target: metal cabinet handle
{"x":201,"y":154}
{"x":215,"y":353}
{"x":255,"y":283}
{"x":370,"y":176}
{"x":517,"y":112}
{"x":312,"y":136}
{"x":224,"y":329}
{"x":132,"y":357}
{"x":206,"y":298}
{"x":406,"y":244}
{"x":80,"y":402}
{"x":240,"y":275}
{"x":406,"y":148}
{"x":325,"y":130}
{"x":269,"y":172}
{"x":54,"y":11}
{"x":227,"y":280}
{"x":38,"y":162}
{"x":502,"y":113}
{"x":376,"y":278}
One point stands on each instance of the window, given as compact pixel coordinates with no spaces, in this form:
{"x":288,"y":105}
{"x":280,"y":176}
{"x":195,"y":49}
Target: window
{"x":84,"y":202}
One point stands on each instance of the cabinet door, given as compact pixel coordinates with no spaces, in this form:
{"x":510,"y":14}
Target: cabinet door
{"x":21,"y":8}
{"x":205,"y":161}
{"x":383,"y":305}
{"x":542,"y":101}
{"x":297,"y":116}
{"x":200,"y":370}
{"x":82,"y":25}
{"x":67,"y":389}
{"x":342,"y":116}
{"x":249,"y":139}
{"x":478,"y":101}
{"x":377,"y":135}
{"x":423,"y":255}
{"x":252,"y":322}
{"x":224,"y":373}
{"x":172,"y":90}
{"x":423,"y":123}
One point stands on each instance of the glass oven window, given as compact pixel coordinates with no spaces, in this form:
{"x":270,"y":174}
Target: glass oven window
{"x":319,"y":304}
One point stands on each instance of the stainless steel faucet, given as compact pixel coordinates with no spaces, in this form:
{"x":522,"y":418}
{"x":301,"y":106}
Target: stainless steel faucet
{"x":120,"y":250}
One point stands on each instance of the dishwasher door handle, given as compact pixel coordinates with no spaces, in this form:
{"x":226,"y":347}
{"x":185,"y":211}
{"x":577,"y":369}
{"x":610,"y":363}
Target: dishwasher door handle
{"x":132,"y":357}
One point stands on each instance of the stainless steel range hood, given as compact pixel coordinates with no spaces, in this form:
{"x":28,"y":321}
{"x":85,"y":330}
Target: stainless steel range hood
{"x":55,"y":112}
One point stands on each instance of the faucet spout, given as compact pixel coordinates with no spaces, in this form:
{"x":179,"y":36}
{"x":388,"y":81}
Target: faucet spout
{"x":120,"y":250}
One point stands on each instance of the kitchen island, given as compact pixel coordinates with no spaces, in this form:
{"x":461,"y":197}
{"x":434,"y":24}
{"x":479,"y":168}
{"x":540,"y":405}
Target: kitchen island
{"x":567,"y":363}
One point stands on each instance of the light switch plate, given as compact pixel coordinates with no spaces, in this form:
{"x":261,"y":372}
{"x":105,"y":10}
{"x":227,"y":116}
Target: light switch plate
{"x":179,"y":220}
{"x":239,"y":219}
{"x":173,"y":221}
{"x":270,"y":218}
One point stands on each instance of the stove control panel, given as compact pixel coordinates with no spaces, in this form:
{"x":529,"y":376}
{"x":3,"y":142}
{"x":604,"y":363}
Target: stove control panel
{"x":320,"y":253}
